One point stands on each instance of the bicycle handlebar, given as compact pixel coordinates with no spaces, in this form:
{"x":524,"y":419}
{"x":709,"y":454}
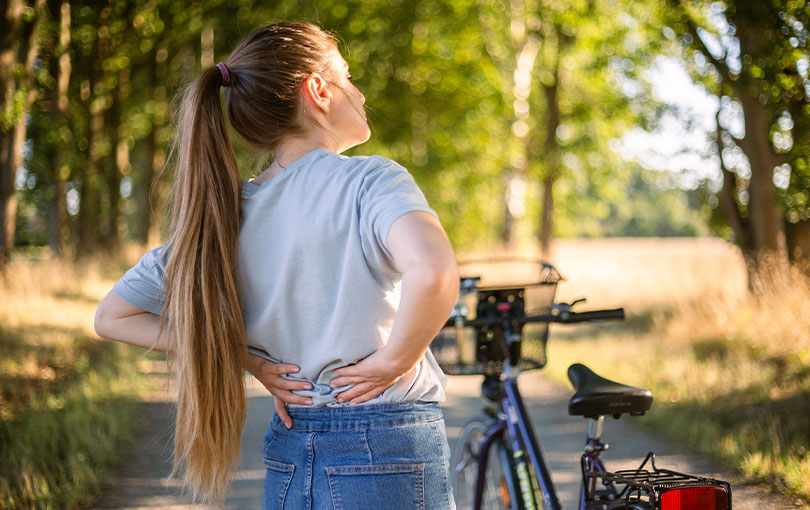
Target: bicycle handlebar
{"x":564,"y":317}
{"x":593,"y":315}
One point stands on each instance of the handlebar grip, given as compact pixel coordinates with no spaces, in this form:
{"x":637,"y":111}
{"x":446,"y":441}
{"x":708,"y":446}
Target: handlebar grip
{"x":595,"y":315}
{"x":563,"y":318}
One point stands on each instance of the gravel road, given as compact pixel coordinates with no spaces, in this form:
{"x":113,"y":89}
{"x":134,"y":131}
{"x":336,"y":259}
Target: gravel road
{"x":141,"y":482}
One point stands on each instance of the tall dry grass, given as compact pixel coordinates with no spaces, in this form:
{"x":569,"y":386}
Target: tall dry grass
{"x":67,"y":398}
{"x":730,"y":371}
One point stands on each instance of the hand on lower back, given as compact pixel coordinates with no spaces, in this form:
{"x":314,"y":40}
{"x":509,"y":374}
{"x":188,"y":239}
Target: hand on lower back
{"x":271,"y":376}
{"x":368,"y":377}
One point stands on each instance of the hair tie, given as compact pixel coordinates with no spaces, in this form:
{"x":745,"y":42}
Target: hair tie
{"x":226,"y":76}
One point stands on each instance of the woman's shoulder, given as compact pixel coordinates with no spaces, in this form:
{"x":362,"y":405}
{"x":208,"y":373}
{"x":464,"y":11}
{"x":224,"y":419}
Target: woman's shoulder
{"x":371,"y":164}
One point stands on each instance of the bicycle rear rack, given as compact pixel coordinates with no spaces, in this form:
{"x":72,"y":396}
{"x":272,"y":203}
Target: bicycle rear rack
{"x":647,"y":485}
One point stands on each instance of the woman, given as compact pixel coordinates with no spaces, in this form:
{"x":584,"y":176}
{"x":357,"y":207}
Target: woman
{"x":336,"y":267}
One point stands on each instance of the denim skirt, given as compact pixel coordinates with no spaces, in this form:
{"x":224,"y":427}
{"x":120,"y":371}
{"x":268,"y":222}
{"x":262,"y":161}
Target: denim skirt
{"x":385,"y":456}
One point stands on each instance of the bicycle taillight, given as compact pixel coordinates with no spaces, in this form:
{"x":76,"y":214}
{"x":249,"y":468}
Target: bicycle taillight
{"x":695,"y":498}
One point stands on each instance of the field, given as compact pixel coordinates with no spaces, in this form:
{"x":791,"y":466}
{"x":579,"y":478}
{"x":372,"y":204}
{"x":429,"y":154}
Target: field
{"x":730,"y":373}
{"x":67,"y":399}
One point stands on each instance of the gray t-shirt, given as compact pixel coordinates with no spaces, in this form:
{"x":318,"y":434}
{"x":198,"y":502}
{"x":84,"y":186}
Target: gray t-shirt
{"x":317,"y":282}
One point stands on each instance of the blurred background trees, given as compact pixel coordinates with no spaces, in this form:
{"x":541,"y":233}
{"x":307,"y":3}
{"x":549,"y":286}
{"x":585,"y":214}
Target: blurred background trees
{"x":511,"y":115}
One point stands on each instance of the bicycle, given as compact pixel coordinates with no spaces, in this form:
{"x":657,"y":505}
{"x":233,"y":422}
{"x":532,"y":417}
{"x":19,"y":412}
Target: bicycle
{"x":498,"y":463}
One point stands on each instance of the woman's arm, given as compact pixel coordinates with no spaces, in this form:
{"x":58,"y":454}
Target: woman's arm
{"x":119,"y":320}
{"x":424,"y":256}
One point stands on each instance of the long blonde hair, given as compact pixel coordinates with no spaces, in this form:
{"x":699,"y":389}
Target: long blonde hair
{"x":202,"y":314}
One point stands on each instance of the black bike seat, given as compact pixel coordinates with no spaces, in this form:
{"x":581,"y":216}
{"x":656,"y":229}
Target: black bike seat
{"x":596,"y":396}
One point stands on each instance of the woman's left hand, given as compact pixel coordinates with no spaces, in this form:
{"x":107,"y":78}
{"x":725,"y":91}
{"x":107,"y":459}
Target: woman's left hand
{"x":369,"y":377}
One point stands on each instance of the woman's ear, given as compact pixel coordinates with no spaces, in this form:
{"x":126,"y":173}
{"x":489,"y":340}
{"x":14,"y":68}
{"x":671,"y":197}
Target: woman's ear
{"x":316,"y":92}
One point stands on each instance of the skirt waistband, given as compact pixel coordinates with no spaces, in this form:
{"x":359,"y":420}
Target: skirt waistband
{"x":361,"y":416}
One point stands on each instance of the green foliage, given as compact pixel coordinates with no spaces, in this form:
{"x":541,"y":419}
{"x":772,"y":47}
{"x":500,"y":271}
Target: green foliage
{"x":644,"y":206}
{"x":436,"y":76}
{"x":756,"y":48}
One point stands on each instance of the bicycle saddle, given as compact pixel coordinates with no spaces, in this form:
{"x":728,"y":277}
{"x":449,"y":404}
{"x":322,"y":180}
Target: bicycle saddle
{"x":596,"y":396}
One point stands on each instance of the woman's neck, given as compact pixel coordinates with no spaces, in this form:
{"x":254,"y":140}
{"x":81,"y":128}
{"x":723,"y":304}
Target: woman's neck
{"x":289,"y":151}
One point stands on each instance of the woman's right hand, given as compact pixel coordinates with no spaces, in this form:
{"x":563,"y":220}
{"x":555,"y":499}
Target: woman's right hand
{"x":270,"y":375}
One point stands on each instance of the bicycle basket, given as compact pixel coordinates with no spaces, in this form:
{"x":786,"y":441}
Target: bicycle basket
{"x":466,"y":350}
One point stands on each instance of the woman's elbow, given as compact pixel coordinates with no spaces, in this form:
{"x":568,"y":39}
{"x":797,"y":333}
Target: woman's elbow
{"x":108,"y":313}
{"x":101,"y":321}
{"x":442,"y":279}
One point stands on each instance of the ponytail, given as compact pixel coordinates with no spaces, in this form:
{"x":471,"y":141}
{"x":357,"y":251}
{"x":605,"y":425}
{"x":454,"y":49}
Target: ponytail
{"x":202,"y":312}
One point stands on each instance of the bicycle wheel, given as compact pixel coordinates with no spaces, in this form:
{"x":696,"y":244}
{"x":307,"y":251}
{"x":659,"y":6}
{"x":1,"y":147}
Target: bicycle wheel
{"x":499,"y":488}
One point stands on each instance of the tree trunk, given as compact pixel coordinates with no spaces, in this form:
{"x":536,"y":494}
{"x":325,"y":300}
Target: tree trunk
{"x":142,"y":190}
{"x":728,"y":196}
{"x":113,"y":174}
{"x":525,"y":46}
{"x":764,"y":225}
{"x":9,"y":44}
{"x":9,"y":47}
{"x":149,"y":189}
{"x":765,"y":218}
{"x":13,"y":141}
{"x":120,"y":166}
{"x":510,"y":201}
{"x":552,"y":155}
{"x":798,"y":242}
{"x":58,"y":227}
{"x":90,"y":177}
{"x":547,"y":218}
{"x":90,"y":185}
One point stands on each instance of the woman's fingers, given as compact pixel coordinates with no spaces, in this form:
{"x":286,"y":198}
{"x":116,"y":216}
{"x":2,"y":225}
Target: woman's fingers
{"x":354,"y":391}
{"x":372,"y":393}
{"x":270,"y":374}
{"x":359,"y":392}
{"x":257,"y":365}
{"x":345,"y":381}
{"x":349,"y":370}
{"x":281,"y":411}
{"x":269,"y":370}
{"x":290,"y":397}
{"x":283,"y":383}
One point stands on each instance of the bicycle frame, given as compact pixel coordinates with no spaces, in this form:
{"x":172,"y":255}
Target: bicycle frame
{"x":524,"y":442}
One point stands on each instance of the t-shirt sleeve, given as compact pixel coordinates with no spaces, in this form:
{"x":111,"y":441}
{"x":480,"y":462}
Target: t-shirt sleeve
{"x":144,"y":285}
{"x":388,"y":191}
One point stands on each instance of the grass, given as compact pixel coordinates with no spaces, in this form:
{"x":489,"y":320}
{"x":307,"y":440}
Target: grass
{"x":730,"y":373}
{"x":67,"y":399}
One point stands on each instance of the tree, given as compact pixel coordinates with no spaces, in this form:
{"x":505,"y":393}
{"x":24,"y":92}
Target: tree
{"x":18,"y":52}
{"x":750,"y":55}
{"x":592,"y":91}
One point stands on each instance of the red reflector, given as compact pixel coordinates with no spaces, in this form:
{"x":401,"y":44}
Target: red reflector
{"x":503,"y":307}
{"x":695,"y":498}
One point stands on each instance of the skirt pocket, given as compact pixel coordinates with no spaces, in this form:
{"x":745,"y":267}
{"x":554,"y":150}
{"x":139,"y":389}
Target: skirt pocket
{"x":277,"y":480}
{"x":381,"y":486}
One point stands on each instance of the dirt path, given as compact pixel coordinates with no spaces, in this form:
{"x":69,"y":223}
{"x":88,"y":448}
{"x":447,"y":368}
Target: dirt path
{"x":141,"y":482}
